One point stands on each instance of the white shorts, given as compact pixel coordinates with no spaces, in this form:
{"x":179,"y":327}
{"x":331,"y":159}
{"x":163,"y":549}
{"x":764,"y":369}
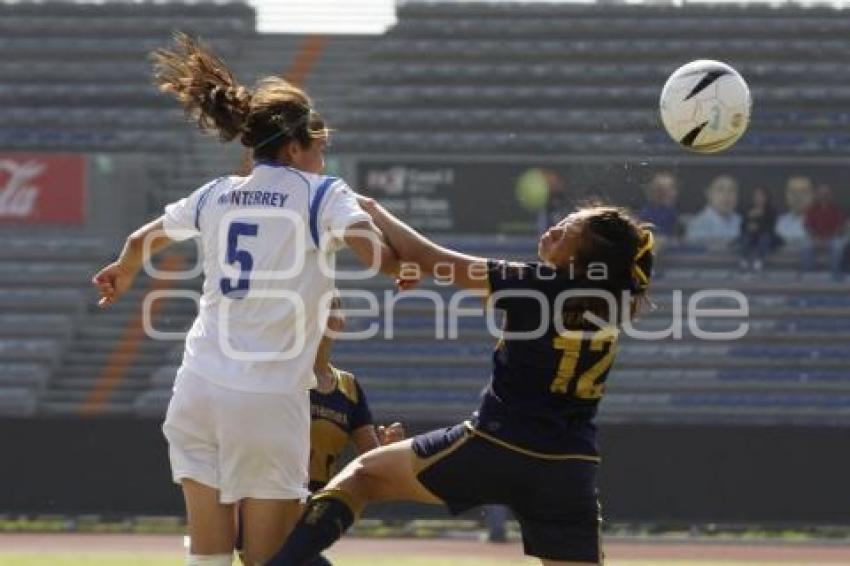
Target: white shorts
{"x":243,"y":444}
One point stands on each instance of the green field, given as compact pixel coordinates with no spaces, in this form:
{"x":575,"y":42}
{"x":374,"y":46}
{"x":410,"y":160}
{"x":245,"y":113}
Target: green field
{"x":125,"y":560}
{"x":99,"y":559}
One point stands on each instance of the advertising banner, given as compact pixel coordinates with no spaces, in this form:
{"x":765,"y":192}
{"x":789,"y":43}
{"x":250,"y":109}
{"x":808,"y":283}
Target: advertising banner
{"x":449,"y":197}
{"x":521,"y":198}
{"x":39,"y":189}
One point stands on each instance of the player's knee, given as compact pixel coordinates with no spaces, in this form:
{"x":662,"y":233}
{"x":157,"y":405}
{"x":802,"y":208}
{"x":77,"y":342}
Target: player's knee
{"x":365,"y":481}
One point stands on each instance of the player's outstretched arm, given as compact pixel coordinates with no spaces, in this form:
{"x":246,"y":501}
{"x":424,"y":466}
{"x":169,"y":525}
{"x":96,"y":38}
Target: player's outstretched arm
{"x":113,"y":280}
{"x":370,"y":245}
{"x":468,"y":271}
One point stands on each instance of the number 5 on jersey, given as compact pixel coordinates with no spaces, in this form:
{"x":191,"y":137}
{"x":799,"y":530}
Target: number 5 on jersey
{"x":242,"y":257}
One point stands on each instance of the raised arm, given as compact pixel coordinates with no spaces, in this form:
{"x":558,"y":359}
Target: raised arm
{"x":113,"y":280}
{"x":468,"y":271}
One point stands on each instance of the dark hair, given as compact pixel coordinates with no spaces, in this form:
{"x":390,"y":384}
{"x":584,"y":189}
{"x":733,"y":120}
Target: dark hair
{"x":613,"y":237}
{"x":274,"y":113}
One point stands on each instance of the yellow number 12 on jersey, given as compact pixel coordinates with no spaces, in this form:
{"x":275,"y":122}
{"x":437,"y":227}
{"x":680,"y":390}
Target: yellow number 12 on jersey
{"x":602,"y":348}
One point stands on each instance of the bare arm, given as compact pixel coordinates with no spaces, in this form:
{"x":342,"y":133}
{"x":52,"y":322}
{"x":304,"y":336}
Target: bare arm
{"x":116,"y":278}
{"x":468,"y":271}
{"x":370,"y":246}
{"x":364,"y":439}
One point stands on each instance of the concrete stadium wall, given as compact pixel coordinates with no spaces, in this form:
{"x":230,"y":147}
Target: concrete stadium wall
{"x":651,"y":473}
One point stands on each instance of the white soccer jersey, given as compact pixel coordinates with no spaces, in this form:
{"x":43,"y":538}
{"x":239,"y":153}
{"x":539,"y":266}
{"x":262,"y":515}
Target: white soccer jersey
{"x":263,"y":237}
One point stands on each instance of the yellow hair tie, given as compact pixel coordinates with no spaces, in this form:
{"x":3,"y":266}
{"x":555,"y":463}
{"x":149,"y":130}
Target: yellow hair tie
{"x":646,"y":247}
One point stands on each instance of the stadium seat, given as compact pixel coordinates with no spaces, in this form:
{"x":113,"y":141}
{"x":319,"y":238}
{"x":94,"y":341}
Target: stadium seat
{"x":37,"y":325}
{"x":484,"y":80}
{"x":40,"y":300}
{"x":24,"y":375}
{"x":38,"y":273}
{"x":29,"y":349}
{"x":17,"y":402}
{"x":152,"y":403}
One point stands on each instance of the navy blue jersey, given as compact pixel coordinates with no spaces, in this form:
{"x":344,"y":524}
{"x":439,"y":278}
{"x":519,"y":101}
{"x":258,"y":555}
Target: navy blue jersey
{"x":544,"y":390}
{"x":335,"y":416}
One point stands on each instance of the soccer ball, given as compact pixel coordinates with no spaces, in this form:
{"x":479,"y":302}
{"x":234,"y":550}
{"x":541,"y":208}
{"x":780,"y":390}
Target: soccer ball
{"x":705,"y":106}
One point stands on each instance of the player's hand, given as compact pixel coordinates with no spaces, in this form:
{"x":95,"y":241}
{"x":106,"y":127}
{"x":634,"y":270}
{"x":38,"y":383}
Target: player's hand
{"x":409,"y":276}
{"x":366,"y":203}
{"x":389,"y":434}
{"x":406,"y":284}
{"x":112,"y":281}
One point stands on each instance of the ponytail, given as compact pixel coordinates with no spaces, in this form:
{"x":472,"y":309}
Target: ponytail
{"x":204,"y":85}
{"x":642,"y":262}
{"x":264,"y":119}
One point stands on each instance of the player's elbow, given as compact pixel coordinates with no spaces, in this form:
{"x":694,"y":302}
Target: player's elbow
{"x":389,"y":263}
{"x":151,"y":234}
{"x":371,"y":249}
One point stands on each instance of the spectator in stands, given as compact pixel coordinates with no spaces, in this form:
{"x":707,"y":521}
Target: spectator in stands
{"x":758,"y":231}
{"x":791,"y":226}
{"x":718,"y":224}
{"x":660,"y":209}
{"x":826,"y":225}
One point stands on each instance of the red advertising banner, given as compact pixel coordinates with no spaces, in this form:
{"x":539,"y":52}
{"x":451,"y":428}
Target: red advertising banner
{"x":42,"y":188}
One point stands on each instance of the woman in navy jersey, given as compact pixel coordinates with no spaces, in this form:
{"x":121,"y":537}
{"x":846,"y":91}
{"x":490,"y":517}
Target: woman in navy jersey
{"x":531,"y":445}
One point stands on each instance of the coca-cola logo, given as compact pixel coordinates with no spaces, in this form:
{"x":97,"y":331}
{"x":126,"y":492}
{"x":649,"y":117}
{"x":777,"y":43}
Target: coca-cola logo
{"x":18,"y":191}
{"x":42,"y":188}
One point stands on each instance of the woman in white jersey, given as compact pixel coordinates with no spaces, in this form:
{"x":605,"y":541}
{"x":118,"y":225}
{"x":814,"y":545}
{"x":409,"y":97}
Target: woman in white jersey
{"x":248,"y":361}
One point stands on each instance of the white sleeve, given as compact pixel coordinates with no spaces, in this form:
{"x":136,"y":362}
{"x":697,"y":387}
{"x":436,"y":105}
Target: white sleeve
{"x":339,"y":211}
{"x":181,"y":220}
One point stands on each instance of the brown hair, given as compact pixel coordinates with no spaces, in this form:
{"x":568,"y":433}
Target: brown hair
{"x":613,"y":237}
{"x":264,"y":118}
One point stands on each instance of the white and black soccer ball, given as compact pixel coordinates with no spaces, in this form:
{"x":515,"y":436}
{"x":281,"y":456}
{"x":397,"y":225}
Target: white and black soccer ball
{"x":705,"y":106}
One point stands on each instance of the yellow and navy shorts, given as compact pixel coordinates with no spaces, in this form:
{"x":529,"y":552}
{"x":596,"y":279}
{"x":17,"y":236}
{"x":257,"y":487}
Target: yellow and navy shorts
{"x":554,"y":498}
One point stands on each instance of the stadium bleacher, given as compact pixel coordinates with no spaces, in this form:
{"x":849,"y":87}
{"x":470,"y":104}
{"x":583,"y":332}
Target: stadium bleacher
{"x":478,"y":80}
{"x":43,"y":292}
{"x":75,"y":76}
{"x":571,"y":78}
{"x":792,"y":365}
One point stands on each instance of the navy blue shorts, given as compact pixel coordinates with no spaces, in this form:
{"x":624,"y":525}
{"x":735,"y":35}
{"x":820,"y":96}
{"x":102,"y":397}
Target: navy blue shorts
{"x":554,"y":500}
